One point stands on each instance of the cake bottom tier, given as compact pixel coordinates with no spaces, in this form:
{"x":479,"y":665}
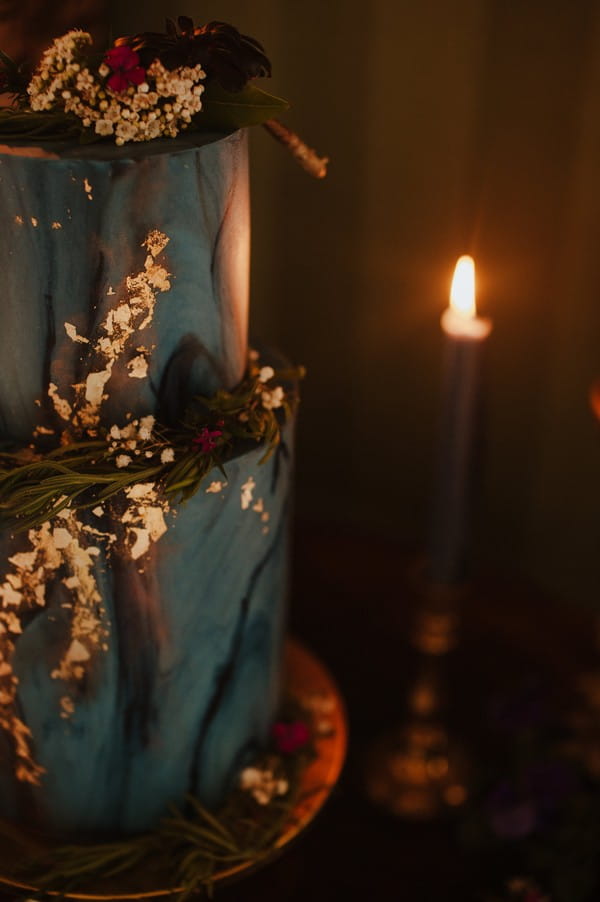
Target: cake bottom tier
{"x":184,"y":679}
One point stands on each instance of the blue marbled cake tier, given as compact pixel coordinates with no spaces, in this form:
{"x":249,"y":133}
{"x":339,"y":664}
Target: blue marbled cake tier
{"x":189,"y":683}
{"x":72,"y":232}
{"x":134,"y":672}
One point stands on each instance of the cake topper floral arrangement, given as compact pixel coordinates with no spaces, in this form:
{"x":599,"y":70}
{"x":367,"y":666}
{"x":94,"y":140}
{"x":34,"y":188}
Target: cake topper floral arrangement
{"x":146,"y":86}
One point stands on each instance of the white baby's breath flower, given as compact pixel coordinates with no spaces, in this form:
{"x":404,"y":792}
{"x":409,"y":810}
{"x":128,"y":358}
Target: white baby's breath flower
{"x":122,"y":460}
{"x":262,"y":785}
{"x":126,"y":130}
{"x":104,"y":127}
{"x":266,"y":373}
{"x":146,"y":427}
{"x":272,"y":399}
{"x":162,"y":105}
{"x":167,"y":455}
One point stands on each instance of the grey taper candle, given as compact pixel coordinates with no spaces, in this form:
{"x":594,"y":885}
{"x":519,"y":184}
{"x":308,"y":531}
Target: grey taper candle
{"x":465,"y":337}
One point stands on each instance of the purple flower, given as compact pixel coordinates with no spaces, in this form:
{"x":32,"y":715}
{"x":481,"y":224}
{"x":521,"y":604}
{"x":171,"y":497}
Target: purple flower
{"x":518,"y":808}
{"x":511,"y":815}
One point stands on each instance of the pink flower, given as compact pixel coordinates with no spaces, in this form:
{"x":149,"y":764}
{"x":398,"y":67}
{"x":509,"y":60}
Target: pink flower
{"x":124,"y":63}
{"x":207,"y":439}
{"x":289,"y":737}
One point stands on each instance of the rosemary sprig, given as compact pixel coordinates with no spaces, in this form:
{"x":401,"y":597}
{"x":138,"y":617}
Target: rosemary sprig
{"x":27,"y":125}
{"x":188,"y":850}
{"x":36,"y":486}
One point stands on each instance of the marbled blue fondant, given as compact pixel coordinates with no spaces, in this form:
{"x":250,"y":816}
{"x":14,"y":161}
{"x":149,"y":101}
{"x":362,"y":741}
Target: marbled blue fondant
{"x":72,"y":231}
{"x":189,"y":683}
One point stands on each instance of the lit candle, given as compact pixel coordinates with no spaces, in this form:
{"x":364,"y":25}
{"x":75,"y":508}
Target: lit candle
{"x":465,"y":335}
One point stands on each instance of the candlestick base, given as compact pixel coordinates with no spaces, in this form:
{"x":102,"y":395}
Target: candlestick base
{"x":417,"y":771}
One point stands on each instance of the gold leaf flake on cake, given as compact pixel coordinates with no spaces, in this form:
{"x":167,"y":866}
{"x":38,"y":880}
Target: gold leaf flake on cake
{"x":215,"y":487}
{"x":42,"y":430}
{"x":114,"y":336}
{"x":246,"y":493}
{"x":68,"y":707}
{"x":155,"y":242}
{"x":138,"y":367}
{"x":72,"y":333}
{"x":68,"y":548}
{"x":60,"y":546}
{"x":61,"y":406}
{"x":88,"y":628}
{"x":144,"y":518}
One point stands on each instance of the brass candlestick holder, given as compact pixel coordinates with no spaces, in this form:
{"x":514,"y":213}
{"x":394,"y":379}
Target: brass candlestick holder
{"x":418,"y":769}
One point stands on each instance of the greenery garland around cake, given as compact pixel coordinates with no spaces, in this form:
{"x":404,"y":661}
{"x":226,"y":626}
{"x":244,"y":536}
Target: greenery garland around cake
{"x":148,"y":85}
{"x":85,"y":473}
{"x":193,"y":846}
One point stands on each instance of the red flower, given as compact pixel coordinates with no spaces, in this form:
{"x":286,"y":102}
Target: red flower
{"x":124,"y":63}
{"x":289,"y":737}
{"x":207,"y":439}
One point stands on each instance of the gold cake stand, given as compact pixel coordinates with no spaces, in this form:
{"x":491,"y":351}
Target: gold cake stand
{"x":306,"y":680}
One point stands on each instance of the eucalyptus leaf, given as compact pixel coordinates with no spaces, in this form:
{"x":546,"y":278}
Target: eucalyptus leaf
{"x":223,"y":111}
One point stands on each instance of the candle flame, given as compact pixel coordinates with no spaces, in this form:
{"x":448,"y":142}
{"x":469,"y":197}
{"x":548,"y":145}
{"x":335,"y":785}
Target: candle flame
{"x":462,"y":292}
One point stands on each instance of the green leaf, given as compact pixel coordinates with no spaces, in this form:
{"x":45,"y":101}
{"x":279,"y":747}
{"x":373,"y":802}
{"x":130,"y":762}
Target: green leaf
{"x":21,"y":125}
{"x":224,"y":111}
{"x":8,"y":62}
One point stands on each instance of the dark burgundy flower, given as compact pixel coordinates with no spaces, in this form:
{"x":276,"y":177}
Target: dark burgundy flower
{"x":125,"y":65}
{"x":229,"y":57}
{"x":289,"y":737}
{"x":207,"y":439}
{"x":226,"y":55}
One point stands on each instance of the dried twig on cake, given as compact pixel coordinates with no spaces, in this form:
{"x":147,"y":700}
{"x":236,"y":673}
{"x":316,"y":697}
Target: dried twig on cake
{"x":305,"y":155}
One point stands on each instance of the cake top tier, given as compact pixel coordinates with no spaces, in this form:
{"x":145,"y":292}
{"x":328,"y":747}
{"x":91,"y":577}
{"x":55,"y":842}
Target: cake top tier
{"x":187,"y":84}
